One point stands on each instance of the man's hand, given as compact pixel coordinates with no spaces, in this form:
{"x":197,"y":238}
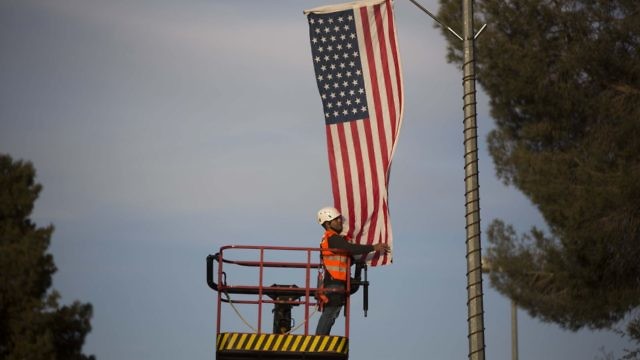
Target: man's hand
{"x":381,"y":247}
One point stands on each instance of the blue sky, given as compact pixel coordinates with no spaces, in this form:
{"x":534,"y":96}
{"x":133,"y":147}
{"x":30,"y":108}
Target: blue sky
{"x":162,"y":130}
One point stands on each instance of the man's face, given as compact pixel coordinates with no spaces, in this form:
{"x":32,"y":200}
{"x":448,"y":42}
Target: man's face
{"x":336,"y":224}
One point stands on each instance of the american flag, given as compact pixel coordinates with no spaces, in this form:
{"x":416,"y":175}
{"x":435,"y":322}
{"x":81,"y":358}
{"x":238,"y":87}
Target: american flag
{"x":357,"y":66}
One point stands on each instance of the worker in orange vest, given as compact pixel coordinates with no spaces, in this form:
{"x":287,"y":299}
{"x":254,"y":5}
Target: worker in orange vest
{"x":336,"y":264}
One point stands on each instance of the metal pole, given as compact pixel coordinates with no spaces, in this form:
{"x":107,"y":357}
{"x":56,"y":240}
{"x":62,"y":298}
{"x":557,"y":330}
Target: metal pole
{"x":488,"y":268}
{"x":514,"y":331}
{"x":472,"y":200}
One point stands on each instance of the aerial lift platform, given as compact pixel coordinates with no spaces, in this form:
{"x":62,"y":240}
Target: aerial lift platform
{"x":256,"y":266}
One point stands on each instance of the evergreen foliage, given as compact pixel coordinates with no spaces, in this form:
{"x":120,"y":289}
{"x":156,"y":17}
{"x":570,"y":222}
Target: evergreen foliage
{"x":563,"y":78}
{"x":32,"y":323}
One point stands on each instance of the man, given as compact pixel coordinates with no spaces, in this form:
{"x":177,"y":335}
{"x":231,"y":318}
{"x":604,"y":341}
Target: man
{"x":335,"y":264}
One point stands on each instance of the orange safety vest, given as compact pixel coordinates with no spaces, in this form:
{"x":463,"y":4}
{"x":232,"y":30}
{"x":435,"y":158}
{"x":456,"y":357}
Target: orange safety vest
{"x":336,"y":264}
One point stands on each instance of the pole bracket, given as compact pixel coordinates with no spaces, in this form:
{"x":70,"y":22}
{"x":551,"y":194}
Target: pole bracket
{"x":479,"y":31}
{"x":442,"y":24}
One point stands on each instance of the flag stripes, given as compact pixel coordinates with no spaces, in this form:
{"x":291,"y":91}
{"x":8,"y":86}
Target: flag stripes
{"x":360,"y":147}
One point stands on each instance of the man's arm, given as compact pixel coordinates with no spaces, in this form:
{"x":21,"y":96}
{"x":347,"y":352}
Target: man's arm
{"x":339,"y":242}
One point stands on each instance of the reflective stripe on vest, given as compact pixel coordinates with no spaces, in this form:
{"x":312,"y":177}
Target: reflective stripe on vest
{"x":336,"y":264}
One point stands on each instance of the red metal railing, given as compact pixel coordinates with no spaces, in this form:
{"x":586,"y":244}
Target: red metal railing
{"x":259,"y":294}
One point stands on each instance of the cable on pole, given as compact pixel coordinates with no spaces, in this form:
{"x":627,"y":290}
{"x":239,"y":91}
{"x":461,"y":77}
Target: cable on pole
{"x":475,"y":306}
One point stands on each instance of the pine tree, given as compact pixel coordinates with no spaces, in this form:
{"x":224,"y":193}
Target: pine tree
{"x":32,"y":323}
{"x":563,"y":78}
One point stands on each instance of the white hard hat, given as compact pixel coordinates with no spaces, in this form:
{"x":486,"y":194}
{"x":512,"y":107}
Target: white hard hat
{"x":327,"y":214}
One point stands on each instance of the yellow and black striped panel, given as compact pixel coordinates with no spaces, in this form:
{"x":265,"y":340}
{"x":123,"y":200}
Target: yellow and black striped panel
{"x":282,"y":343}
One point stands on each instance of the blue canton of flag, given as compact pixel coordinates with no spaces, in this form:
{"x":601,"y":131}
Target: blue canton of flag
{"x":336,"y":59}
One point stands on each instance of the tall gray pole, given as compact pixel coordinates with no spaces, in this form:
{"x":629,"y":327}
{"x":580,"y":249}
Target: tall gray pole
{"x":472,"y":199}
{"x":514,"y":331}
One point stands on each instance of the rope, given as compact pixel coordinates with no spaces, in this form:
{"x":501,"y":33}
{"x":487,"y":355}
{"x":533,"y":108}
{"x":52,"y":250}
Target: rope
{"x":238,"y":313}
{"x":315,"y":310}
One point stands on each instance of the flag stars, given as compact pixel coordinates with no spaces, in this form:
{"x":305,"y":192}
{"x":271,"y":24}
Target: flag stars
{"x":338,"y":70}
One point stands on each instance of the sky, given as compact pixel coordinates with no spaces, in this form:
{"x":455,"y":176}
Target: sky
{"x":162,"y":130}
